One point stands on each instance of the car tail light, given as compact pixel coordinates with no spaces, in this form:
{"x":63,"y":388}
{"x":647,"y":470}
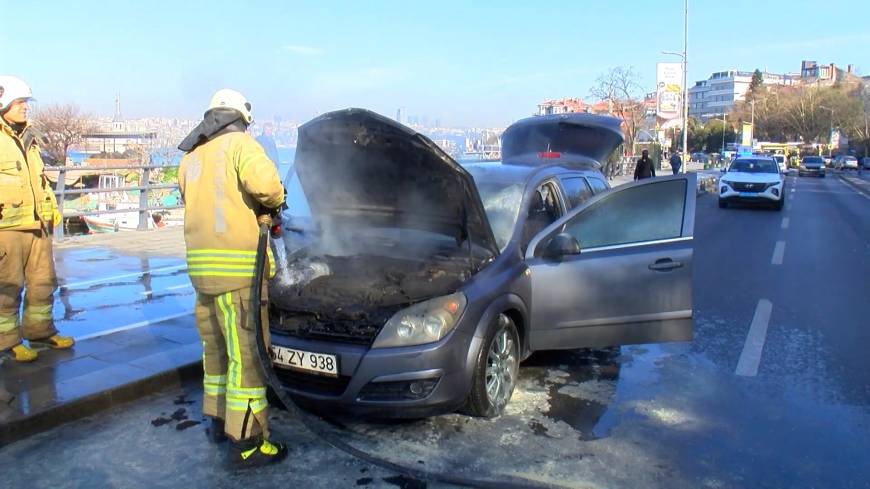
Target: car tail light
{"x":549,"y":155}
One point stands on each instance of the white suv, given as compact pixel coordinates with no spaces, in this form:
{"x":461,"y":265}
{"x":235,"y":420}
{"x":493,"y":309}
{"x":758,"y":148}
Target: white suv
{"x":752,"y":180}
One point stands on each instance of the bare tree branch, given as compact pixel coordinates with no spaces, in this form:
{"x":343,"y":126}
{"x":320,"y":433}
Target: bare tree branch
{"x":62,"y":127}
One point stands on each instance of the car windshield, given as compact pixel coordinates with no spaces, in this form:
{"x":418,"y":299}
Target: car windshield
{"x":501,"y":201}
{"x":754,"y":166}
{"x":812,"y":159}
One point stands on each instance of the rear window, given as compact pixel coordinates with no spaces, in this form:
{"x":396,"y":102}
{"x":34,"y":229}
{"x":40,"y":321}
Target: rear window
{"x":598,"y":185}
{"x":577,"y":190}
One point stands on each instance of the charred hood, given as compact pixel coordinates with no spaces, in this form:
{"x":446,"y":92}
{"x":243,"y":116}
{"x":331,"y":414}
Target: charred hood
{"x":358,"y":167}
{"x":568,"y":139}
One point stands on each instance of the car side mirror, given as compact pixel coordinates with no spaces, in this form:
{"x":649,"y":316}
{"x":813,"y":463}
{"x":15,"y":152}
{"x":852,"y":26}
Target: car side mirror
{"x":722,"y":170}
{"x":561,"y":245}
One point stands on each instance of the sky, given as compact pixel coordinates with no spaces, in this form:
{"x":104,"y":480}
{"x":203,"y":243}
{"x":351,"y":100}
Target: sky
{"x":466,"y":63}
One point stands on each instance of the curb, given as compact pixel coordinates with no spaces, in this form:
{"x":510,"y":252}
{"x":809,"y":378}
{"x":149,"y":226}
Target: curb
{"x":88,"y":405}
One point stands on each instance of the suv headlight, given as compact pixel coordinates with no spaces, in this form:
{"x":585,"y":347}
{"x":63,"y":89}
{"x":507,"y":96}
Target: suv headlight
{"x":426,"y":322}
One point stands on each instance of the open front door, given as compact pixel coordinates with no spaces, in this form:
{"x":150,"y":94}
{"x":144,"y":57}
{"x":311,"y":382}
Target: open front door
{"x":631,"y":281}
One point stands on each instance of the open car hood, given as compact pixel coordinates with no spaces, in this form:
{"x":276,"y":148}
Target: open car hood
{"x":362,"y":169}
{"x":566,"y":139}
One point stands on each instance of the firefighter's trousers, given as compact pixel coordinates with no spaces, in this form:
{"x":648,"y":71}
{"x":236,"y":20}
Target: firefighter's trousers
{"x":233,"y":384}
{"x":26,"y":260}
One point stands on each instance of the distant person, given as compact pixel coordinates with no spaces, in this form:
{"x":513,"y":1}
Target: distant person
{"x":28,"y":215}
{"x":676,"y":162}
{"x":267,"y":141}
{"x":644,"y":168}
{"x":226,"y":181}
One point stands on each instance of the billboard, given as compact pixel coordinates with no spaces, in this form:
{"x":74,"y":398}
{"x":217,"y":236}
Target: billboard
{"x":669,"y":90}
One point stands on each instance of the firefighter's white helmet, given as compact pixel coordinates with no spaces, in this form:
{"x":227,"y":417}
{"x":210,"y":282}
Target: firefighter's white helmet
{"x":232,"y":99}
{"x":12,"y":88}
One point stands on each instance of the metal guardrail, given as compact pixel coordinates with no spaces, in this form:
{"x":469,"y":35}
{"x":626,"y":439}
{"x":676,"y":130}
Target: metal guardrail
{"x":143,"y":209}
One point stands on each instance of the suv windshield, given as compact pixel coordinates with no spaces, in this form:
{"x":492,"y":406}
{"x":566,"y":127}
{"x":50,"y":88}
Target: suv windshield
{"x":754,"y":166}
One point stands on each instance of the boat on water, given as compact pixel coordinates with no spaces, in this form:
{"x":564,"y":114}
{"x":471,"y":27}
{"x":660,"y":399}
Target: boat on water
{"x":120,"y":221}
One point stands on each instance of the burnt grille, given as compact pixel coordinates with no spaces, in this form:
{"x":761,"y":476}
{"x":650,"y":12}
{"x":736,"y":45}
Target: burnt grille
{"x":314,"y":384}
{"x":310,"y":327}
{"x":749,"y":187}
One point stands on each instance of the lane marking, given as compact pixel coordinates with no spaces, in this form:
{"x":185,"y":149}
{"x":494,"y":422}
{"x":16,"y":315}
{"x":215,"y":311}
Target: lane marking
{"x":856,"y":188}
{"x":785,"y":222}
{"x":128,"y":327}
{"x":116,"y":277}
{"x":750,"y":357}
{"x":778,"y":253}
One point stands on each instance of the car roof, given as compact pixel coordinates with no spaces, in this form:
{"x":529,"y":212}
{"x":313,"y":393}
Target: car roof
{"x":497,"y":172}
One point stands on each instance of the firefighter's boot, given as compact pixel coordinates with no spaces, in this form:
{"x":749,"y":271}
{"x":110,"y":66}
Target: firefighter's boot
{"x":255,"y":452}
{"x":22,"y":353}
{"x":56,"y":342}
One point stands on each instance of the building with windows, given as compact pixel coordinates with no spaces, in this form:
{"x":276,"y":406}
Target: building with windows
{"x":571,"y":105}
{"x":717,"y":95}
{"x":813,"y":73}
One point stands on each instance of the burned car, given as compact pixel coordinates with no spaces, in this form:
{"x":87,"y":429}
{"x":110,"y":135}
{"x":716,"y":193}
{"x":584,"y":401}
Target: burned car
{"x":408,"y":285}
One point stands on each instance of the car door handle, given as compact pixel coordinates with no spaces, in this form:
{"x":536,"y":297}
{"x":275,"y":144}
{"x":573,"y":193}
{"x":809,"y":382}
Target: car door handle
{"x":665,"y":264}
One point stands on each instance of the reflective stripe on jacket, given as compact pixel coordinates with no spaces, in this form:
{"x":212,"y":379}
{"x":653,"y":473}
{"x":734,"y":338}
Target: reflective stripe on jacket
{"x":26,"y":198}
{"x":224,"y":183}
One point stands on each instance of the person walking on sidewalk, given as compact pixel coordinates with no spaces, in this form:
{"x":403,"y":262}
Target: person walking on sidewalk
{"x":644,"y":167}
{"x":676,"y":162}
{"x":226,"y":181}
{"x":28,"y":214}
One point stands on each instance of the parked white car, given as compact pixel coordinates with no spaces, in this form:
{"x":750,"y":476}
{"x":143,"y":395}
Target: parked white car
{"x":846,"y":162}
{"x":780,"y":161}
{"x":752,"y":180}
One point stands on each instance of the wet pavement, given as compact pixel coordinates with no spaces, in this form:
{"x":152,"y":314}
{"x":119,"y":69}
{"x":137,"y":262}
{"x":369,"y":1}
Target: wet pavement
{"x":108,"y":284}
{"x":127,"y":301}
{"x":670,"y":416}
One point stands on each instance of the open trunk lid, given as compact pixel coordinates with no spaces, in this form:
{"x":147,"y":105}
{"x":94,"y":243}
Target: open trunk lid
{"x":567,"y":139}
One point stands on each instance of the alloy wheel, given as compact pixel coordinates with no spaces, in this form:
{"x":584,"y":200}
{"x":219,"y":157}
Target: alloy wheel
{"x":501,"y":367}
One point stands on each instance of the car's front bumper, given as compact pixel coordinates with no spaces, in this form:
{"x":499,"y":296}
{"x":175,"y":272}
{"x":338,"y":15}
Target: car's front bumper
{"x":811,"y":171}
{"x":378,"y":382}
{"x":771,"y":195}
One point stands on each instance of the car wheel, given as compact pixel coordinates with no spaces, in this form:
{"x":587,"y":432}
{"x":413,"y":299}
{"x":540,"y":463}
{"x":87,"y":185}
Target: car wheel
{"x":779,"y":204}
{"x":722,"y":204}
{"x":495,"y":371}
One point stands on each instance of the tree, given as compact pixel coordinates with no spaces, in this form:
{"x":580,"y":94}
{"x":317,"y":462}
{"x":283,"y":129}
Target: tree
{"x":756,"y":85}
{"x":620,"y":88}
{"x":62,"y":127}
{"x":712,"y":136}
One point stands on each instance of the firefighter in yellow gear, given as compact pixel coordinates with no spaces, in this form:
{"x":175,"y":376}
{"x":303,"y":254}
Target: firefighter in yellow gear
{"x":226,"y":180}
{"x":28,"y":214}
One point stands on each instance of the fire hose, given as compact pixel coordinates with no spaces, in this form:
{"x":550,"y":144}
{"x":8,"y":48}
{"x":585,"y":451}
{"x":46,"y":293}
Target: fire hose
{"x":322,"y":429}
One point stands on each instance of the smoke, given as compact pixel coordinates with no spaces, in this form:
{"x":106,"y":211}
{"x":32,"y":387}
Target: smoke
{"x":386,"y":224}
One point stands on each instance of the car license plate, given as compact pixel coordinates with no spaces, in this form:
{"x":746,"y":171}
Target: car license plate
{"x":748,"y":194}
{"x":306,"y":361}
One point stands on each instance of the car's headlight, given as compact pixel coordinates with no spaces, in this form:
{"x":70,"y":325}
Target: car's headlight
{"x":426,"y":322}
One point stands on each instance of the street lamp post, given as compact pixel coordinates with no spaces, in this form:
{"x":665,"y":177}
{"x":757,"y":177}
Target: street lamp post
{"x":831,"y":132}
{"x":684,"y":55}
